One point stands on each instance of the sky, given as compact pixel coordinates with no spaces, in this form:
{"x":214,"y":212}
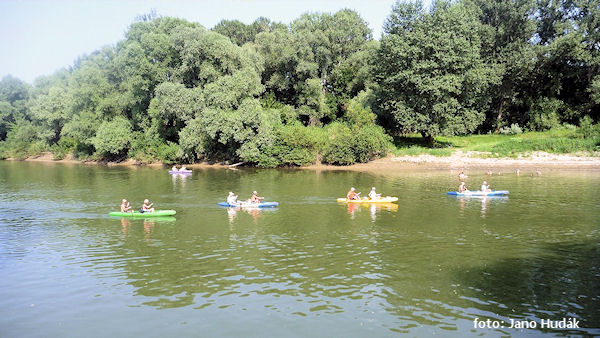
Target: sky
{"x":40,"y":37}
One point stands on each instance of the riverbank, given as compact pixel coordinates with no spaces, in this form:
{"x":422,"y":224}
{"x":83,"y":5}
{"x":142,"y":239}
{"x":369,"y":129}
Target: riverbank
{"x":457,"y":160}
{"x":47,"y":157}
{"x":473,"y":160}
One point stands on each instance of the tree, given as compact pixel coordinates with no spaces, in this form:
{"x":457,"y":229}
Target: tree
{"x":113,"y":137}
{"x":568,"y":54}
{"x":240,"y":33}
{"x":431,"y":77}
{"x":319,"y":63}
{"x":14,"y":96}
{"x":506,"y":31}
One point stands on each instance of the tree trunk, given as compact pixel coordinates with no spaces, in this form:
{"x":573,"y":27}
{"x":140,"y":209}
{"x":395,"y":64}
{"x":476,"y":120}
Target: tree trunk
{"x":428,"y":138}
{"x":499,"y":117}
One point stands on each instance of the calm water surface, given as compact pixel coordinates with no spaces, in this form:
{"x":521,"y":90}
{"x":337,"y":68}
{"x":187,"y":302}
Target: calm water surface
{"x":429,"y":265}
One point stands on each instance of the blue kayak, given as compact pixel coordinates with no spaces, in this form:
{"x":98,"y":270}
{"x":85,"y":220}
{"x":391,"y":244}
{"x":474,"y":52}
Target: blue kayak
{"x":479,"y":193}
{"x":250,"y":205}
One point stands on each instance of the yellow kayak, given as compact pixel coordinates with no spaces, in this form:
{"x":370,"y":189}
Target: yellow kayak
{"x":387,"y":199}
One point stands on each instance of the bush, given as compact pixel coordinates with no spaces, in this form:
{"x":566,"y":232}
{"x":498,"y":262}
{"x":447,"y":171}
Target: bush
{"x":294,"y":144}
{"x":23,"y":140}
{"x":299,"y":145}
{"x":113,"y":137}
{"x":514,"y":129}
{"x":63,"y":147}
{"x":358,"y":112}
{"x":588,"y":129}
{"x":147,"y":149}
{"x":348,"y":145}
{"x":544,"y":114}
{"x":3,"y":151}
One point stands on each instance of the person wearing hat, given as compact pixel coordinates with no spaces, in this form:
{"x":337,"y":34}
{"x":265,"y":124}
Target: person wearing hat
{"x":232,"y":199}
{"x":352,"y":194}
{"x":462,"y":188}
{"x":485,"y":187}
{"x":254,"y":198}
{"x":125,"y":207}
{"x":374,"y":195}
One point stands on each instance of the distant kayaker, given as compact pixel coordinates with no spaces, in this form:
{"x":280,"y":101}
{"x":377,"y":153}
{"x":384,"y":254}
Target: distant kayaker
{"x":462,"y":176}
{"x":255,"y":198}
{"x":374,"y":195}
{"x":147,"y":206}
{"x":485,"y":187}
{"x":352,"y":194}
{"x":174,"y":168}
{"x":125,"y":207}
{"x":232,"y":199}
{"x":182,"y":168}
{"x":462,"y":187}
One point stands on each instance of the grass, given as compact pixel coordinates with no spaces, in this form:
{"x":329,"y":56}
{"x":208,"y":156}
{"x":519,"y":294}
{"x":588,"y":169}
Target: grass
{"x":558,"y":141}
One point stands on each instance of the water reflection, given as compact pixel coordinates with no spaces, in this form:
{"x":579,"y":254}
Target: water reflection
{"x":125,"y":223}
{"x":428,"y":270}
{"x":256,"y":213}
{"x":526,"y":288}
{"x":147,"y":223}
{"x":180,"y":178}
{"x":485,"y":201}
{"x":374,"y":208}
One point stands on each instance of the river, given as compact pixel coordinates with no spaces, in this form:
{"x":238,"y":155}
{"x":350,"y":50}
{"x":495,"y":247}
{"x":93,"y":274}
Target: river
{"x":431,"y":264}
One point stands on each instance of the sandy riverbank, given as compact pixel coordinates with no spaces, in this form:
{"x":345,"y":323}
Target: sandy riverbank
{"x":459,"y":160}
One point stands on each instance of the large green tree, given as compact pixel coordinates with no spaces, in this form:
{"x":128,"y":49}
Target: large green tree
{"x":319,"y":63}
{"x":431,"y":75}
{"x":506,"y":30}
{"x":568,"y":58}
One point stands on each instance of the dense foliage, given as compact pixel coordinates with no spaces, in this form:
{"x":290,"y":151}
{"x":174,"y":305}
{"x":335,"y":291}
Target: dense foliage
{"x":318,"y":89}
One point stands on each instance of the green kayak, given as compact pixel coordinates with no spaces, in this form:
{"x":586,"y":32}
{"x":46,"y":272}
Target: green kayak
{"x":157,"y":213}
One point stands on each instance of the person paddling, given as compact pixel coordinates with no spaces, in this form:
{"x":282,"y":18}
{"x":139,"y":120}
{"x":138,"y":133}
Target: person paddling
{"x":125,"y":207}
{"x":232,"y":199}
{"x":485,"y":187}
{"x":462,"y":188}
{"x":352,"y":194}
{"x":255,"y":198}
{"x":374,"y":195}
{"x":147,"y":206}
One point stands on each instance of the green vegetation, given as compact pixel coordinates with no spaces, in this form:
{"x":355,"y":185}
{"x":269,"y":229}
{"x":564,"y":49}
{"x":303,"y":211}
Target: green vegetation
{"x":559,"y":141}
{"x":321,"y":89}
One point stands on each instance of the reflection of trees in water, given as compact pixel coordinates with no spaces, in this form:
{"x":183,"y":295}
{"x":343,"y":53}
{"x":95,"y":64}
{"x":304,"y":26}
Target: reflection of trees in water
{"x":562,"y":282}
{"x":253,"y":262}
{"x":428,"y":280}
{"x":447,"y":288}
